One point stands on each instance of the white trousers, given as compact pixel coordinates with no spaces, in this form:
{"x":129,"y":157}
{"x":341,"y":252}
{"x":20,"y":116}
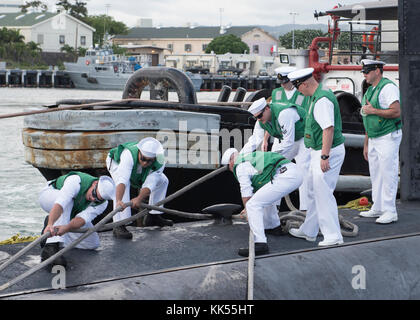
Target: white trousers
{"x":261,"y":208}
{"x":322,"y":211}
{"x":302,"y":156}
{"x":383,"y":155}
{"x":158,"y":191}
{"x":47,"y":199}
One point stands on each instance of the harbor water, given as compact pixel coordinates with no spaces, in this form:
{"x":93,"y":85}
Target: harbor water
{"x":20,"y":182}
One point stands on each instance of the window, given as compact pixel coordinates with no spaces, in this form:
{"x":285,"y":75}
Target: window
{"x":205,"y":47}
{"x":170,"y":46}
{"x":205,"y":63}
{"x":284,"y":58}
{"x":62,"y":39}
{"x":40,"y":39}
{"x":187,"y":47}
{"x":257,"y":35}
{"x":255,"y":48}
{"x":83,"y":40}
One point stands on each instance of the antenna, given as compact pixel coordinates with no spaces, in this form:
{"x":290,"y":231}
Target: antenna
{"x":293,"y":14}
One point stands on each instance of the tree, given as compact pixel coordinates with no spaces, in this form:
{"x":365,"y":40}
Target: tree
{"x":34,"y":48}
{"x":81,"y":52}
{"x":105,"y":23}
{"x":10,"y":36}
{"x":33,"y":4}
{"x":77,"y":10}
{"x":227,"y":43}
{"x":343,"y":41}
{"x":118,"y":50}
{"x":68,"y":49}
{"x":303,"y":38}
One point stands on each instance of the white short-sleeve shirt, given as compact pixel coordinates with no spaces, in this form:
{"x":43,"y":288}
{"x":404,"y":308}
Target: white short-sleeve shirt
{"x":324,"y":113}
{"x":389,"y":94}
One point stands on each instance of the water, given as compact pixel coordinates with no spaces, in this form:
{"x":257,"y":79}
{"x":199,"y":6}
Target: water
{"x":21,"y":183}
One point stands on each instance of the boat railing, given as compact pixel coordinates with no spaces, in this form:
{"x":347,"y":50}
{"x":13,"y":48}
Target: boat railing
{"x":363,"y":43}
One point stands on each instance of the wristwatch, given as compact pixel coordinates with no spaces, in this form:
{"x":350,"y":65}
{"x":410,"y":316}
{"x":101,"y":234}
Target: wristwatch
{"x":324,"y":156}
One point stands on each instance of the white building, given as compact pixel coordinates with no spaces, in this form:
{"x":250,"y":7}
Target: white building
{"x":50,"y":30}
{"x":10,"y":6}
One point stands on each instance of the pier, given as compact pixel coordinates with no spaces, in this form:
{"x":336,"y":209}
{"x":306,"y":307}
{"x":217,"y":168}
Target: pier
{"x":61,"y":79}
{"x":250,"y":83}
{"x":35,"y":78}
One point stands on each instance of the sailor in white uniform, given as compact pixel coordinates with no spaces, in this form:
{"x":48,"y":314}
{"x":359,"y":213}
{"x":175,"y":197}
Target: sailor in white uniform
{"x":73,"y":201}
{"x":141,"y":165}
{"x":323,"y":134}
{"x":381,"y":113}
{"x":264,"y":178}
{"x":289,"y":123}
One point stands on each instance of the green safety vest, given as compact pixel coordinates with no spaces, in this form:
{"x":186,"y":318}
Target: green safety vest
{"x":265,"y":163}
{"x":80,"y":202}
{"x":136,"y":179}
{"x":375,"y":125}
{"x":273,"y":127}
{"x":313,"y":132}
{"x":279,"y":95}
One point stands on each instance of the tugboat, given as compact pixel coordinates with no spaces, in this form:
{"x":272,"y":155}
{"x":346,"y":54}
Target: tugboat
{"x":101,"y":69}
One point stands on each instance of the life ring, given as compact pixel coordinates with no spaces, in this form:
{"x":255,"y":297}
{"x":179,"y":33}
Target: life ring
{"x":368,"y":41}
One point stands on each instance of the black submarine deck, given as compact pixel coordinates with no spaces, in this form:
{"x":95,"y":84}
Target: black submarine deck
{"x":198,"y":260}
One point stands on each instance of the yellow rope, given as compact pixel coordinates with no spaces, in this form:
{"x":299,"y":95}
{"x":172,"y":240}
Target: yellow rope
{"x":17,"y":239}
{"x":355,"y":205}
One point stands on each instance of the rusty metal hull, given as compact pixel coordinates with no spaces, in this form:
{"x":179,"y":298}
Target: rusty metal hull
{"x":121,"y":120}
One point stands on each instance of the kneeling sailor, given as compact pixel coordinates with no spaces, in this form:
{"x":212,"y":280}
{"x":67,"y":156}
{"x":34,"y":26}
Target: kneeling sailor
{"x":73,"y":201}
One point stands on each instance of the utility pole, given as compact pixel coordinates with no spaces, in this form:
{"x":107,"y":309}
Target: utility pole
{"x":293,"y":14}
{"x":107,"y":6}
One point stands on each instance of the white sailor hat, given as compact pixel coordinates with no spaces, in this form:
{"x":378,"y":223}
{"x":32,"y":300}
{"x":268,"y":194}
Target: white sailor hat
{"x":299,"y":76}
{"x":150,"y":147}
{"x":106,"y":188}
{"x":226,"y":156}
{"x":257,"y":106}
{"x":369,"y":65}
{"x":282,"y":73}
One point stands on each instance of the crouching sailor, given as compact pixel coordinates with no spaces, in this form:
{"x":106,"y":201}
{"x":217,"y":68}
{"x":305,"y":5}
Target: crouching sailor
{"x":73,"y":201}
{"x":141,"y":165}
{"x":285,"y":122}
{"x":264,"y":178}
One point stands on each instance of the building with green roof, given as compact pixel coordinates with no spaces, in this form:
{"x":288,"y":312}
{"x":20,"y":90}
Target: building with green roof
{"x":50,"y":30}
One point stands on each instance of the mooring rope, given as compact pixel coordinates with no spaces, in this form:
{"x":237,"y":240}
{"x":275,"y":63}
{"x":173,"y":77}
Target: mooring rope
{"x":295,"y":218}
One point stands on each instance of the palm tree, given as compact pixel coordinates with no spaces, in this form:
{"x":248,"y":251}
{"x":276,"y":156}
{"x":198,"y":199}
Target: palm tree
{"x":15,"y":36}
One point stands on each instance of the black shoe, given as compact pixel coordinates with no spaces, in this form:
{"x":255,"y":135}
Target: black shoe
{"x":157,"y":220}
{"x":260,"y":248}
{"x":277,"y":231}
{"x":122,"y":233}
{"x":51,"y":249}
{"x":42,"y":243}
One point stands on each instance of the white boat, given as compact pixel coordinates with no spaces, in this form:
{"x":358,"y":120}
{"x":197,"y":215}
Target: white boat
{"x":101,"y":69}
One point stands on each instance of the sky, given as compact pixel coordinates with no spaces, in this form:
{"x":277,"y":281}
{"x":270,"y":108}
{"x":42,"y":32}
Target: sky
{"x":178,"y":13}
